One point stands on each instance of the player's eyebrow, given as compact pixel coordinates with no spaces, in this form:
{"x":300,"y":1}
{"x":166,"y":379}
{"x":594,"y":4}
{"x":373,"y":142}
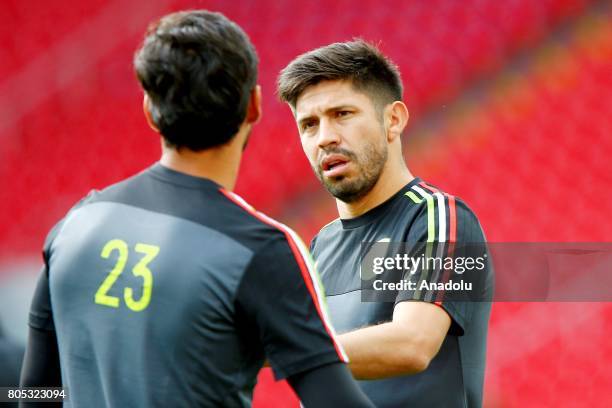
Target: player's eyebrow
{"x":305,"y":119}
{"x":335,"y":108}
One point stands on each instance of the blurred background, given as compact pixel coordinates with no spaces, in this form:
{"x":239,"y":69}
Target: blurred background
{"x":511,"y":107}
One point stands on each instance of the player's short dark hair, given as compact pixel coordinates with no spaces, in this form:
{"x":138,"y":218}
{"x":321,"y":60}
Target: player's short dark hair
{"x":198,"y":69}
{"x":358,"y":61}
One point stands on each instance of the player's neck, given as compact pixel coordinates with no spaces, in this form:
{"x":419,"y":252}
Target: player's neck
{"x":219,"y":164}
{"x":391,"y":180}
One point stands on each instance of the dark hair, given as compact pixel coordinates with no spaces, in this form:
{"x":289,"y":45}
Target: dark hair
{"x":358,"y":61}
{"x":198,"y":69}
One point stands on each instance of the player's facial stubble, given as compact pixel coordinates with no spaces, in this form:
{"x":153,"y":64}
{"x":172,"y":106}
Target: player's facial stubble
{"x":369,"y":166}
{"x":354,"y":129}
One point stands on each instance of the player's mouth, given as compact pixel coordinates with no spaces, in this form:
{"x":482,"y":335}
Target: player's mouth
{"x":334,"y":165}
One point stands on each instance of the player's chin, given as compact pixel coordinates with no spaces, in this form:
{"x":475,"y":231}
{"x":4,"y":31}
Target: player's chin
{"x":336,"y":181}
{"x":339,"y":185}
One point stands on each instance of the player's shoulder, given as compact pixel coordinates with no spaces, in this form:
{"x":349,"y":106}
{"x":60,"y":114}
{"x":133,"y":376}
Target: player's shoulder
{"x":442,"y":215}
{"x":256,"y":227}
{"x":55,"y":230}
{"x":106,"y":193}
{"x":327,"y":231}
{"x":332,"y":226}
{"x":109,"y":193}
{"x":93,"y":196}
{"x":428,"y":197}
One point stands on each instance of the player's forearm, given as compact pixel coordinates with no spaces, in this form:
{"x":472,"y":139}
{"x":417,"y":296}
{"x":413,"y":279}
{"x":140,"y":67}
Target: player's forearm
{"x":385,"y":351}
{"x":41,"y":367}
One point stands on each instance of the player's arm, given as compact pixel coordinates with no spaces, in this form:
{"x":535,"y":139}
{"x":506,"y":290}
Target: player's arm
{"x":41,"y":367}
{"x":41,"y":364}
{"x":328,"y":386}
{"x":41,"y":361}
{"x":279,"y":307}
{"x":405,"y":345}
{"x":331,"y":386}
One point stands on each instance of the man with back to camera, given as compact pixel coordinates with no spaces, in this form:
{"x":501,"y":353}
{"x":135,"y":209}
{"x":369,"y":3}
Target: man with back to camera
{"x":425,"y":348}
{"x":167,"y":289}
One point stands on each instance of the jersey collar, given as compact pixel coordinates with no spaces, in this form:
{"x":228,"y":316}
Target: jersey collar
{"x":182,"y":179}
{"x":379,"y":210}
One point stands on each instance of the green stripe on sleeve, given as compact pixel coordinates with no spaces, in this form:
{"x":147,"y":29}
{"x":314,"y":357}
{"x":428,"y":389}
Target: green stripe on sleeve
{"x":414,"y":197}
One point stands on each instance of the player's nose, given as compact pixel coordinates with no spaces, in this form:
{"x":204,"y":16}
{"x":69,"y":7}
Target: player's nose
{"x":328,"y":134}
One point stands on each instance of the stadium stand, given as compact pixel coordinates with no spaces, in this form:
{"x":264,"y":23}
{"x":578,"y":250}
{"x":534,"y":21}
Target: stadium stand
{"x":513,"y":94}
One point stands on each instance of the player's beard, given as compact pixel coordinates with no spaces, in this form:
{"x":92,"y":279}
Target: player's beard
{"x":369,"y":165}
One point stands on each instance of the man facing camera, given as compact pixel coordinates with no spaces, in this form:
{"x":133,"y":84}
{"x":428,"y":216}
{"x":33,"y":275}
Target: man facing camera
{"x":423,"y":347}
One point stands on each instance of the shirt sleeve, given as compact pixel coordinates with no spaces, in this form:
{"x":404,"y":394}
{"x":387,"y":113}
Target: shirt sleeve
{"x":41,"y":315}
{"x":448,"y":239}
{"x":280,"y":299}
{"x":329,"y":386}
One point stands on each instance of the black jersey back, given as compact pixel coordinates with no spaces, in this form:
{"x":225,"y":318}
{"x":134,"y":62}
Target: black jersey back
{"x":167,"y":290}
{"x":418,"y":213}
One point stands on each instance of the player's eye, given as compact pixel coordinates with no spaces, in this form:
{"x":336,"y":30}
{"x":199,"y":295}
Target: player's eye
{"x":342,"y":113}
{"x":308,"y":125}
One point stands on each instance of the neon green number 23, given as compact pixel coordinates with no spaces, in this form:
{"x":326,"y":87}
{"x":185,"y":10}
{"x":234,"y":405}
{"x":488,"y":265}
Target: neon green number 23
{"x":140,"y":270}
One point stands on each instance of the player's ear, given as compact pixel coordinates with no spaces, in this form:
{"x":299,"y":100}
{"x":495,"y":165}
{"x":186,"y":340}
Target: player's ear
{"x":396,"y":117}
{"x":146,"y":108}
{"x":254,"y":107}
